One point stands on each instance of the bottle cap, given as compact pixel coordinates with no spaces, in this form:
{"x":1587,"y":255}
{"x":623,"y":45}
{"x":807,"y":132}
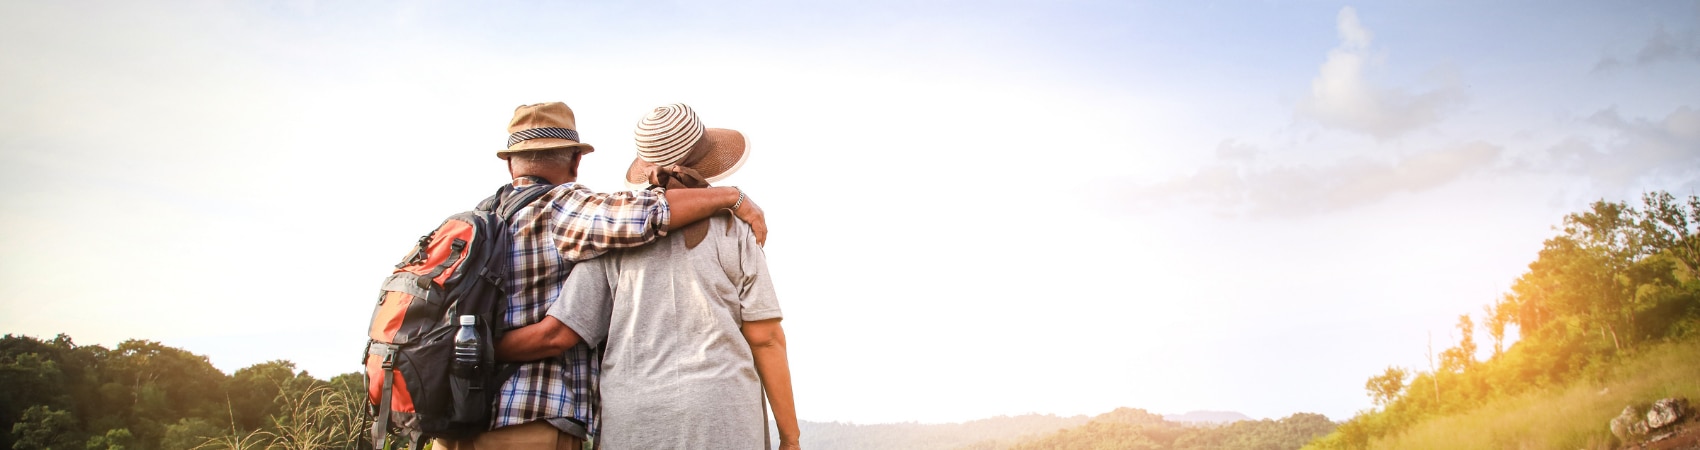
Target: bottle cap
{"x":469,"y":320}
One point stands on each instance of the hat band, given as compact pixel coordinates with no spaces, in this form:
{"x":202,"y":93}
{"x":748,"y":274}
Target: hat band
{"x":538,"y":133}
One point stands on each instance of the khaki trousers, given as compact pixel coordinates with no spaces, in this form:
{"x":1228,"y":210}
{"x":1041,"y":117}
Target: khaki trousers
{"x":537,"y":435}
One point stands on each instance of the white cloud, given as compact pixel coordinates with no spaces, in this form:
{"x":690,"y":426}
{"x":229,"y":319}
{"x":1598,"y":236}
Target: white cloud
{"x":1343,"y":95}
{"x":1353,"y":35}
{"x":1635,"y":153}
{"x":1234,"y":149}
{"x":1239,"y":186}
{"x":1663,"y":46}
{"x":1611,"y":156}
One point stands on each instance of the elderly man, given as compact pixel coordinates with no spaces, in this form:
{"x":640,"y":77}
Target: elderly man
{"x":548,"y":403}
{"x":689,"y":325}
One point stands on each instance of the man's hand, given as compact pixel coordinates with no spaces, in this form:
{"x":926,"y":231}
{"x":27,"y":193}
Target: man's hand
{"x":792,"y":444}
{"x":752,"y":214}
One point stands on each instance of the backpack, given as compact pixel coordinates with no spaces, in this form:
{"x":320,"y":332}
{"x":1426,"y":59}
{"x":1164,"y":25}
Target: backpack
{"x":461,"y":268}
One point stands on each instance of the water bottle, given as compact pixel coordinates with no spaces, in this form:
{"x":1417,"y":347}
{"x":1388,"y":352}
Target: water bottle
{"x":466,"y":348}
{"x":466,"y":391}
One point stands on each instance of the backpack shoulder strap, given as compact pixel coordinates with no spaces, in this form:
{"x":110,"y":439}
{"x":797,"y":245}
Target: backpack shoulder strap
{"x":508,"y":200}
{"x":512,"y":203}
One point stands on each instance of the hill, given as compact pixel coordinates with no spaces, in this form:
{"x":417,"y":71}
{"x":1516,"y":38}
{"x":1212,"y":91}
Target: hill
{"x":919,"y":436}
{"x":1206,"y":417}
{"x":1122,"y":428}
{"x":1607,"y":316}
{"x":1572,"y":416}
{"x":1129,"y":428}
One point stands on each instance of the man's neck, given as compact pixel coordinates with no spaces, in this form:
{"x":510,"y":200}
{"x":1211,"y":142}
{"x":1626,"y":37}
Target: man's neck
{"x":527,"y":179}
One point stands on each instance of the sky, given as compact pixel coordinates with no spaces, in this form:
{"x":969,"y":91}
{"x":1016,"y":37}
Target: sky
{"x":977,"y":208}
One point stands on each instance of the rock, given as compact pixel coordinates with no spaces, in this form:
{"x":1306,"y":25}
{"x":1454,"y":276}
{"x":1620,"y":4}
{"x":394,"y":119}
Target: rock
{"x":1665,"y":412}
{"x":1625,"y":424}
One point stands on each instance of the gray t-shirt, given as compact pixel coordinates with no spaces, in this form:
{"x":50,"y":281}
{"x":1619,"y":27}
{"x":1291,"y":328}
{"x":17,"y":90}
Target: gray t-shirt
{"x":677,"y":372}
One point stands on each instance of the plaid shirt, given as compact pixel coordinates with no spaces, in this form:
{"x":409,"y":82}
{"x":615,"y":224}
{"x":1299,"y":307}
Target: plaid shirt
{"x":567,"y":225}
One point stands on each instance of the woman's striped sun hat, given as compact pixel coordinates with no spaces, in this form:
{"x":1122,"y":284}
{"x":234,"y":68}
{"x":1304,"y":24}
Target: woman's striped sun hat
{"x":673,"y":134}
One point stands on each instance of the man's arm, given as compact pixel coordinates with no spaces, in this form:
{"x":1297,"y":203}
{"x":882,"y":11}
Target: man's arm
{"x":587,"y":224}
{"x":691,"y":205}
{"x":767,"y":345}
{"x":581,"y":314}
{"x":544,"y":339}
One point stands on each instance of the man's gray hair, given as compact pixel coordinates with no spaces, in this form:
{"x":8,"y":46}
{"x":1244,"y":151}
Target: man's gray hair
{"x":552,"y":157}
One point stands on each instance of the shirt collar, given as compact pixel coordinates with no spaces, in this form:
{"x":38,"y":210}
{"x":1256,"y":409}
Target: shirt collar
{"x":527,"y":180}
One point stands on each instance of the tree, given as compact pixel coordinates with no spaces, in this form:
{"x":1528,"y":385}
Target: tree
{"x":1457,"y":359}
{"x":1387,"y":386}
{"x":1668,"y":227}
{"x":1613,"y":279}
{"x":189,"y":433}
{"x":45,"y":428}
{"x":34,"y":372}
{"x":148,"y":386}
{"x":252,"y":392}
{"x":145,"y":395}
{"x":114,"y":439}
{"x":1495,"y":318}
{"x":30,"y":380}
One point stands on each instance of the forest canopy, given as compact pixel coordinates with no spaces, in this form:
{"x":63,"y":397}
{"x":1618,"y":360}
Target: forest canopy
{"x":145,"y":395}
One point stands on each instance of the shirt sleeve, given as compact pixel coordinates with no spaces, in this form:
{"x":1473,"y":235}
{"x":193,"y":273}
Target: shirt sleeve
{"x":587,"y":302}
{"x":586,"y":224}
{"x":755,"y":284}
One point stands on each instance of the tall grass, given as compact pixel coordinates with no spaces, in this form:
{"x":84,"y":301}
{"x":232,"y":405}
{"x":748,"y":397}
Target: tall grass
{"x":1575,"y":416}
{"x":318,"y":418}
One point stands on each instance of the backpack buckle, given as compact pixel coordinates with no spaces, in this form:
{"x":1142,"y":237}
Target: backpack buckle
{"x":389,"y":360}
{"x":420,"y":251}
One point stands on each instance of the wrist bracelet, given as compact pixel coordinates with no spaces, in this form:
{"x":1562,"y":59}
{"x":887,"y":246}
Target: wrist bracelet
{"x":740,"y":201}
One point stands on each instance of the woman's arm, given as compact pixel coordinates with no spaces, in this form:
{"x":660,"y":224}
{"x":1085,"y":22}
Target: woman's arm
{"x":767,"y":344}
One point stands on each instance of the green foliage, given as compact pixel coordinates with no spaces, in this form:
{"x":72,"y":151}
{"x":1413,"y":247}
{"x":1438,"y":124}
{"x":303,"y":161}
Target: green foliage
{"x":189,"y":433}
{"x":143,"y":395}
{"x":1572,"y":416}
{"x":1615,"y":281}
{"x":163,"y":383}
{"x":45,"y":428}
{"x":30,"y":379}
{"x":1124,"y":428}
{"x":1386,"y":387}
{"x":1288,"y":433}
{"x":113,"y":439}
{"x":252,"y":392}
{"x":1462,"y":357}
{"x":52,"y":373}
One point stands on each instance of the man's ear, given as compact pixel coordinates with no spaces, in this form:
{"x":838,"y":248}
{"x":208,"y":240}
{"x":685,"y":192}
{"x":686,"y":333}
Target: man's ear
{"x":510,"y":162}
{"x":572,"y":168}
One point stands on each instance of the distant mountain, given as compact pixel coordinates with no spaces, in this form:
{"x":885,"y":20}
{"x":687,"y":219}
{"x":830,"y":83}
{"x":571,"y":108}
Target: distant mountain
{"x":996,"y":432}
{"x":1206,"y":417}
{"x":1121,"y":428}
{"x":1135,"y":428}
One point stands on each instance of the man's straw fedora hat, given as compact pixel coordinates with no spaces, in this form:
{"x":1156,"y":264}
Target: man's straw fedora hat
{"x":673,"y":134}
{"x":543,"y":126}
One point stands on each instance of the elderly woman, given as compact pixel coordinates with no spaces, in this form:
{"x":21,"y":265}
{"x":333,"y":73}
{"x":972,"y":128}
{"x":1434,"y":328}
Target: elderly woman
{"x":689,"y":325}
